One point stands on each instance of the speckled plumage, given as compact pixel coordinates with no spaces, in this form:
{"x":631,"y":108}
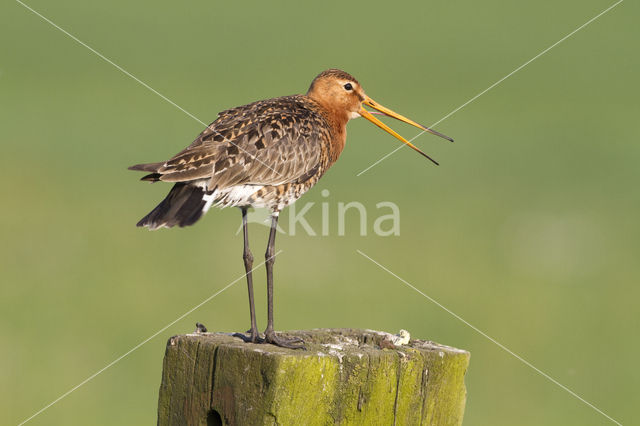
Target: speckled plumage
{"x":280,"y":147}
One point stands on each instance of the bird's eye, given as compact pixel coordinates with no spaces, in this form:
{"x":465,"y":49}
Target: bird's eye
{"x":348,"y":86}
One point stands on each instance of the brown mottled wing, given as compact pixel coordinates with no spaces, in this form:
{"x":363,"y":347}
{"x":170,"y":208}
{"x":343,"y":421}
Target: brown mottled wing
{"x":268,"y":143}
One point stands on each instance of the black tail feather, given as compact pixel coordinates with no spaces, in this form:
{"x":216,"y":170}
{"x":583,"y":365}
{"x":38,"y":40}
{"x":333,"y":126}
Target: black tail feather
{"x":182,"y":206}
{"x":153,"y":177}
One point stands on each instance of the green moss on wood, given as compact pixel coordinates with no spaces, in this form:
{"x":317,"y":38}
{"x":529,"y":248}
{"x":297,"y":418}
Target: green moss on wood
{"x":343,"y":377}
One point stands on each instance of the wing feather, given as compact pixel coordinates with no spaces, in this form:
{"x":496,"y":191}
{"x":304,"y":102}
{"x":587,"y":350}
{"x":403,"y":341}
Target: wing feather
{"x":269,"y":142}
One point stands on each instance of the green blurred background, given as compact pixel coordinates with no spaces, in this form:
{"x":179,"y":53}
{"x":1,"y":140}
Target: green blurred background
{"x":528,"y":230}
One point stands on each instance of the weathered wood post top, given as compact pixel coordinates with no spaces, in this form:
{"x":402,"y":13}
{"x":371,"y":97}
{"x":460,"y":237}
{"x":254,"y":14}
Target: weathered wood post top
{"x":345,"y":376}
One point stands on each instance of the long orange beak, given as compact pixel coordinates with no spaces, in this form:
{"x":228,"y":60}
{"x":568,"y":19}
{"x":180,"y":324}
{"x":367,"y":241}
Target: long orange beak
{"x":386,"y":111}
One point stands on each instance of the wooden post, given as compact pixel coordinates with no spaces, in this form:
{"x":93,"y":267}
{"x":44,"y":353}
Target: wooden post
{"x":344,"y":377}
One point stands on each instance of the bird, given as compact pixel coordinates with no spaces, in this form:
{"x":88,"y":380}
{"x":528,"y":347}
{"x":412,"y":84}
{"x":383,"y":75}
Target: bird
{"x":265,"y":154}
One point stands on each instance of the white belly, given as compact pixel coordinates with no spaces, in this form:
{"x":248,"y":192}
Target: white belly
{"x":239,"y":195}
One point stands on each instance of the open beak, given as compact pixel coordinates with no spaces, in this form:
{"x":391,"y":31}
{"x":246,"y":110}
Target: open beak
{"x":386,"y":111}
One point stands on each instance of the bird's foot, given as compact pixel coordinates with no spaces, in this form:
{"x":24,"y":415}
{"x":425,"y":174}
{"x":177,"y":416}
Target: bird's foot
{"x":294,"y":343}
{"x":253,"y":337}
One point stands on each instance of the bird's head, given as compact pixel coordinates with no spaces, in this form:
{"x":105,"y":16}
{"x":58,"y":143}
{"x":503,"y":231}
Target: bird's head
{"x":342,"y":95}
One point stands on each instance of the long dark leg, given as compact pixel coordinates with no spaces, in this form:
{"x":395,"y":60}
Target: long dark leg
{"x":270,"y":334}
{"x":248,"y":264}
